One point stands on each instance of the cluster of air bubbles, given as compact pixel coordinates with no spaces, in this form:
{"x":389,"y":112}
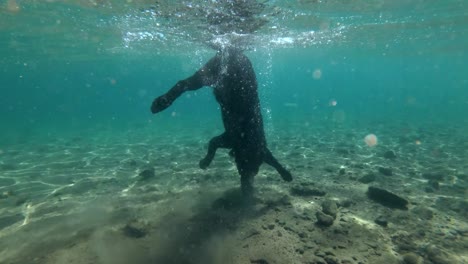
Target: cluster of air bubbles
{"x":231,"y":40}
{"x":247,"y":25}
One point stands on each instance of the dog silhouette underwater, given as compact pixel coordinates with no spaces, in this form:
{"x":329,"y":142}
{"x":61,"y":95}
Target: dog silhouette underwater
{"x":231,"y":75}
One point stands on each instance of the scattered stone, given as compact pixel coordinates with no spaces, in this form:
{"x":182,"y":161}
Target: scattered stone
{"x":404,"y":241}
{"x":20,"y":201}
{"x":132,"y":162}
{"x":387,"y":198}
{"x":456,"y":205}
{"x":258,"y":261}
{"x":429,"y":189}
{"x":434,"y":184}
{"x":331,"y":260}
{"x":324,"y":219}
{"x":300,"y":251}
{"x":342,"y":171}
{"x":320,"y":253}
{"x":329,"y":207}
{"x":6,"y":194}
{"x":390,"y":155}
{"x":315,"y":260}
{"x":134,"y":231}
{"x":147,"y":174}
{"x":411,"y":258}
{"x":438,"y":176}
{"x":250,"y":233}
{"x":438,"y":256}
{"x":386,"y":171}
{"x":343,"y":151}
{"x":368,"y":178}
{"x":381,"y":221}
{"x":423,"y":213}
{"x":346,"y":203}
{"x":306,"y":191}
{"x":462,"y":177}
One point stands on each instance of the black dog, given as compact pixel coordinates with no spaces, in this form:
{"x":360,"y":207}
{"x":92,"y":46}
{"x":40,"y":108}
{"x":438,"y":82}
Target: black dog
{"x":231,"y":75}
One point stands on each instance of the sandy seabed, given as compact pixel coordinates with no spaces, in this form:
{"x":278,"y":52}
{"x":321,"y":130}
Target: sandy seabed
{"x":139,"y":197}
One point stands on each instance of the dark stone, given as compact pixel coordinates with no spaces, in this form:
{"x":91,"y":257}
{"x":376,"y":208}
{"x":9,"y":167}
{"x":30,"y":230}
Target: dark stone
{"x":6,"y":194}
{"x":381,"y":221}
{"x":368,"y":178}
{"x":250,"y":233}
{"x":131,"y":230}
{"x":342,"y":171}
{"x":387,"y":198}
{"x":411,"y":258}
{"x":329,"y":207}
{"x":324,"y":219}
{"x":258,"y":261}
{"x":428,"y":189}
{"x":404,"y":242}
{"x":390,"y":155}
{"x":20,"y":201}
{"x":423,"y":212}
{"x":331,"y":260}
{"x":346,"y":203}
{"x":462,"y":176}
{"x":386,"y":171}
{"x":306,"y":191}
{"x":434,"y":184}
{"x":147,"y":174}
{"x":343,"y":151}
{"x":438,"y":176}
{"x":438,"y":256}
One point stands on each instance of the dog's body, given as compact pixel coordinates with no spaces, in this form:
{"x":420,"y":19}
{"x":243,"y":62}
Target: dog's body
{"x":231,"y":75}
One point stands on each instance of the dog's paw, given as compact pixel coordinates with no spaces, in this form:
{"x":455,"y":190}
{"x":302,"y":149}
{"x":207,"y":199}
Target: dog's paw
{"x":286,"y":175}
{"x":204,"y":164}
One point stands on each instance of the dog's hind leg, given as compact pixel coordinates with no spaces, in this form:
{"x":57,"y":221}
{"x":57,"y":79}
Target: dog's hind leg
{"x":270,"y":160}
{"x":215,"y":143}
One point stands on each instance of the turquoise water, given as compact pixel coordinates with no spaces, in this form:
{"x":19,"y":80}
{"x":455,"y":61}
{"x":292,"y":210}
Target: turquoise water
{"x":74,"y":61}
{"x":87,"y":71}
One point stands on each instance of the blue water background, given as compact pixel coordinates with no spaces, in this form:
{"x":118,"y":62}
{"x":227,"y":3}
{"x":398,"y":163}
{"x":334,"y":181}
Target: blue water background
{"x":391,"y":80}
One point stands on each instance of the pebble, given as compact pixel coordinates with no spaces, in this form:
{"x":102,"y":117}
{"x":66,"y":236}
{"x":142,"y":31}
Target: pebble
{"x":368,"y":178}
{"x":324,"y":219}
{"x":381,"y":221}
{"x":134,"y":231}
{"x":390,"y":155}
{"x":386,"y":171}
{"x":434,"y":184}
{"x":387,"y":198}
{"x":329,"y":207}
{"x":438,"y":176}
{"x":306,"y":191}
{"x":423,"y":213}
{"x":147,"y":174}
{"x":411,"y":258}
{"x":438,"y":256}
